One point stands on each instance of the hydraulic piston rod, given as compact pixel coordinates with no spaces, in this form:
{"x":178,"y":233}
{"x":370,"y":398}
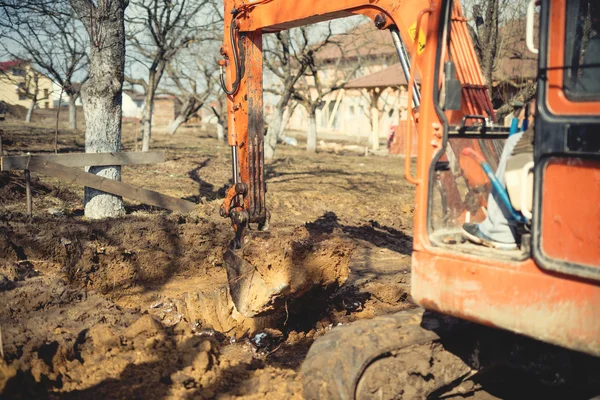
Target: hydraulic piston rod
{"x":405,"y":63}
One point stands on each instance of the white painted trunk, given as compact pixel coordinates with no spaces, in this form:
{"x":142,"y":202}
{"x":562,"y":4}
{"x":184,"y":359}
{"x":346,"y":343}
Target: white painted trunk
{"x":374,"y":128}
{"x":147,"y":122}
{"x":286,"y":119}
{"x":220,"y":131}
{"x":175,"y":124}
{"x":72,"y":113}
{"x":101,"y":95}
{"x":273,"y":133}
{"x":311,"y":137}
{"x":29,"y":114}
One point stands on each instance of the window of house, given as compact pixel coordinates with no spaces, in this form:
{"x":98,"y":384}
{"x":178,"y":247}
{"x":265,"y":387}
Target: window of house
{"x":18,"y":72}
{"x":22,"y":91}
{"x":47,"y":104}
{"x":46,"y":94}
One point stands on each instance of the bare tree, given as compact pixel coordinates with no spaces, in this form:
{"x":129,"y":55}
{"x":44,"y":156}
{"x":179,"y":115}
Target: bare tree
{"x":157,"y":31}
{"x":192,"y":87}
{"x":498,"y":32}
{"x":30,"y":88}
{"x":48,"y":34}
{"x":287,"y":62}
{"x":104,"y":21}
{"x":219,"y":109}
{"x":192,"y":80}
{"x":318,"y":82}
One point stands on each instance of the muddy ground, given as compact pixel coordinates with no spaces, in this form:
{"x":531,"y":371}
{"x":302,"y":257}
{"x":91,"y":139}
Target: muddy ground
{"x":137,"y":307}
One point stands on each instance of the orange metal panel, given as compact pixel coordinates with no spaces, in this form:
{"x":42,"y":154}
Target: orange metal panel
{"x":557,"y":101}
{"x":517,"y":296}
{"x":570,"y":217}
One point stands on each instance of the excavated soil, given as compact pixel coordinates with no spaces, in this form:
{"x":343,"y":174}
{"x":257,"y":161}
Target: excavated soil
{"x":138,"y":307}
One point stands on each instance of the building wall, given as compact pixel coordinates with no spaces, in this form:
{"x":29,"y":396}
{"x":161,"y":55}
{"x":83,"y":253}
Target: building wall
{"x":22,"y":76}
{"x":132,"y":108}
{"x":164,"y":111}
{"x":347,"y":113}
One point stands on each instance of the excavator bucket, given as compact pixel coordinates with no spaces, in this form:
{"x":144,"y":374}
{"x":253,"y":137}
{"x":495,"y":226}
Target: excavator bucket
{"x":249,"y":291}
{"x":269,"y":271}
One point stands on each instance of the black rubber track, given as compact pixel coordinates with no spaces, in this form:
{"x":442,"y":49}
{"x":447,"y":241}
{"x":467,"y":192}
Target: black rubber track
{"x":336,"y":361}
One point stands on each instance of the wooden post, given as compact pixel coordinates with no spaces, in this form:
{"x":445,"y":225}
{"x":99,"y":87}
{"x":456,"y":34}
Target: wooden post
{"x":1,"y":146}
{"x":28,"y":193}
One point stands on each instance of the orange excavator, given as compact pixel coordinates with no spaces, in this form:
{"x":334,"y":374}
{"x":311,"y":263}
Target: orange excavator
{"x":478,"y":304}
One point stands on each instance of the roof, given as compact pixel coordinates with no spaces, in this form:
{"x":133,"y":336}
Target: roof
{"x":134,"y":95}
{"x":389,"y":77}
{"x":5,"y":65}
{"x":514,"y":60}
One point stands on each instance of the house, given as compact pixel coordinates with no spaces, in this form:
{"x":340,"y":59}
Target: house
{"x":363,"y":50}
{"x":516,"y":66}
{"x":132,"y":103}
{"x":349,"y":111}
{"x":165,"y":107}
{"x":20,"y":83}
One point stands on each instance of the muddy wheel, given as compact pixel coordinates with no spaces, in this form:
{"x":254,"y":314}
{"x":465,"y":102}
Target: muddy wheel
{"x":411,"y":373}
{"x":396,"y":356}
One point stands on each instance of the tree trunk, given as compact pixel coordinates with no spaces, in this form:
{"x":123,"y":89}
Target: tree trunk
{"x":220,"y":130}
{"x":286,"y":119}
{"x":72,"y":112}
{"x":176,"y":123}
{"x":147,"y":120}
{"x":101,"y":95}
{"x":273,"y":132}
{"x":311,"y":137}
{"x":34,"y":97}
{"x":30,"y":111}
{"x":487,"y":30}
{"x":374,"y":128}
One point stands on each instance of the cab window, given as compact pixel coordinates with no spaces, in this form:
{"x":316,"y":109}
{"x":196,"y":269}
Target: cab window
{"x":582,"y":50}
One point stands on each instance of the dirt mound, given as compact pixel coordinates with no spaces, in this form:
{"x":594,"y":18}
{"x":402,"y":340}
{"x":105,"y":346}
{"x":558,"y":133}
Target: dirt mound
{"x":64,"y":334}
{"x":68,"y":340}
{"x":115,"y":258}
{"x":12,"y":189}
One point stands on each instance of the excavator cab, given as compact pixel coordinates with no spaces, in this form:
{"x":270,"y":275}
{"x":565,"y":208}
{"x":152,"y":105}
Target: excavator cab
{"x":549,"y":288}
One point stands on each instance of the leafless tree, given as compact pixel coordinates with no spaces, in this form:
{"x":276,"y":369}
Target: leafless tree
{"x":104,"y":21}
{"x":286,"y":61}
{"x":219,"y":108}
{"x":192,"y":82}
{"x":498,"y":31}
{"x":321,"y":79}
{"x":48,"y":34}
{"x":157,"y":31}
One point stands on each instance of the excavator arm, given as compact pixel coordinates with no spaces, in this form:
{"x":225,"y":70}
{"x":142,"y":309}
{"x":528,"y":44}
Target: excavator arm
{"x":412,"y":24}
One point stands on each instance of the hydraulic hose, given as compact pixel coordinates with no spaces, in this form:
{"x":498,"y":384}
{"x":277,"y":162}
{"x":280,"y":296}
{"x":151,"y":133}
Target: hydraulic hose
{"x":236,"y":59}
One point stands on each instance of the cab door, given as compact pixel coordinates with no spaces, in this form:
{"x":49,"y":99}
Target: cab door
{"x":566,"y":218}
